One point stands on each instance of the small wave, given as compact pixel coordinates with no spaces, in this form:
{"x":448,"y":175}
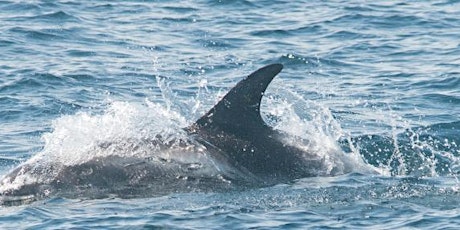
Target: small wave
{"x":180,"y":9}
{"x":9,"y":100}
{"x":271,"y":33}
{"x":44,"y":35}
{"x":6,"y":43}
{"x":58,"y":16}
{"x":343,"y":34}
{"x":80,"y":53}
{"x":18,"y":7}
{"x":81,"y":77}
{"x":9,"y":114}
{"x":33,"y":82}
{"x":442,"y":98}
{"x":20,"y":84}
{"x":442,"y":83}
{"x":378,"y":21}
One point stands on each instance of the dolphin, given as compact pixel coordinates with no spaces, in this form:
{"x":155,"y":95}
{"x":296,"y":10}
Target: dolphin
{"x":235,"y":126}
{"x":229,"y":146}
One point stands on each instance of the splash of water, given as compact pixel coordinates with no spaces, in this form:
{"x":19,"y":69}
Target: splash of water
{"x":407,"y":150}
{"x":319,"y":127}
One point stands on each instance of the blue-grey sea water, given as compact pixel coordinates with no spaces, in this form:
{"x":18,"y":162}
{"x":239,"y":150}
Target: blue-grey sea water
{"x":378,"y":79}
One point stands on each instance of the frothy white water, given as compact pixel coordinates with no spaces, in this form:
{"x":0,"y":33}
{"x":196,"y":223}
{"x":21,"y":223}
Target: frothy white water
{"x":73,"y":136}
{"x":317,"y":131}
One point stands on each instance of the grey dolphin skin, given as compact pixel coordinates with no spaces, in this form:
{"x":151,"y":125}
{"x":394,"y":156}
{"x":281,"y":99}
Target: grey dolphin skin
{"x":230,"y":145}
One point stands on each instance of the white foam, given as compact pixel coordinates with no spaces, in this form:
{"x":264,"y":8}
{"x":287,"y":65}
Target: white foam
{"x":73,"y":136}
{"x":318,"y":127}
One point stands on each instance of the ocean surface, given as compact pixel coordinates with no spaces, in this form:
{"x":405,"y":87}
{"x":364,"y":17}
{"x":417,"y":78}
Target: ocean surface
{"x":377,"y":80}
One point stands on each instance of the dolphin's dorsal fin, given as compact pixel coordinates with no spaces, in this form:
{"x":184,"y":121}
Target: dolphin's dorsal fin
{"x":239,"y":110}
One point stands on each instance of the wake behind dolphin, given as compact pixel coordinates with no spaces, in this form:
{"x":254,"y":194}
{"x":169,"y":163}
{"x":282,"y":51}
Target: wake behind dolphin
{"x":230,"y":147}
